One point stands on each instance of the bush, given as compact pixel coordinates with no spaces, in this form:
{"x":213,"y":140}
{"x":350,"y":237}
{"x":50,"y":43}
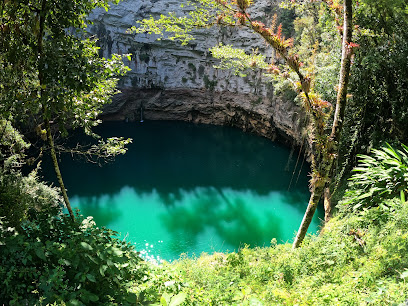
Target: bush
{"x":20,"y":193}
{"x":53,"y":259}
{"x":12,"y":145}
{"x":381,"y":176}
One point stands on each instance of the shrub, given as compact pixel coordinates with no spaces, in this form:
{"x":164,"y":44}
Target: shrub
{"x":20,"y":193}
{"x":381,"y":176}
{"x":53,"y":259}
{"x":12,"y":145}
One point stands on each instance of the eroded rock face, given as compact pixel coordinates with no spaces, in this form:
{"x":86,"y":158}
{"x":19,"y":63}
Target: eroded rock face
{"x":173,"y":82}
{"x":266,"y":116}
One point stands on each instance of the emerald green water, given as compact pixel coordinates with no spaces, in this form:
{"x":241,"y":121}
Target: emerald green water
{"x":185,"y":188}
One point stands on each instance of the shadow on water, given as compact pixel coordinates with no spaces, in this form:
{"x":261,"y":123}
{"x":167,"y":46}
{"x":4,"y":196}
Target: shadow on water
{"x":233,"y":221}
{"x":104,"y":209}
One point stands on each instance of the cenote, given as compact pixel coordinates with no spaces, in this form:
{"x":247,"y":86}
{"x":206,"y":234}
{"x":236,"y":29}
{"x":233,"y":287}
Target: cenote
{"x":188,"y":188}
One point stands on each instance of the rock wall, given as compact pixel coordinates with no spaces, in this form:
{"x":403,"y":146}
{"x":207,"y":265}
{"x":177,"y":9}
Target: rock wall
{"x":269,"y":117}
{"x":174,"y":82}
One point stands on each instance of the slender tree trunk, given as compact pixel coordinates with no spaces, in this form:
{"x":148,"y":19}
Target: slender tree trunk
{"x":57,"y":169}
{"x":50,"y":140}
{"x":327,"y":203}
{"x":344,"y":73}
{"x":323,"y":165}
{"x":308,"y":216}
{"x":347,"y":52}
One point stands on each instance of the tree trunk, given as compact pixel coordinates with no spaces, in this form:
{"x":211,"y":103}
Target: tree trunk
{"x":324,"y":164}
{"x":327,"y":203}
{"x":308,"y":216}
{"x":344,"y":73}
{"x":43,"y":99}
{"x":333,"y":147}
{"x":57,"y":169}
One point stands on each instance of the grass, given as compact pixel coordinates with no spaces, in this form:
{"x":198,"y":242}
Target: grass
{"x":359,"y":259}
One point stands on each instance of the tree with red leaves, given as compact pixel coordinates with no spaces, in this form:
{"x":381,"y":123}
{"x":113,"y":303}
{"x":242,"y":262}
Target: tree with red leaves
{"x":323,"y":144}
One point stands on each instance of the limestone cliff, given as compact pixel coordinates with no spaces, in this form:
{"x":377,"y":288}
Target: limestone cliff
{"x":170,"y":81}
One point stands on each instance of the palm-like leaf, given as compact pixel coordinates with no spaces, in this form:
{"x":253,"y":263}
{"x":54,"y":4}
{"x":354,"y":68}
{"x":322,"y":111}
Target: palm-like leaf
{"x":383,"y":175}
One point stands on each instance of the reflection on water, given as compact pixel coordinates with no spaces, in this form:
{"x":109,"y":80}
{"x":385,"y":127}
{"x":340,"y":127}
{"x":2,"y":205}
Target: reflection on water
{"x":185,"y":188}
{"x":204,"y":219}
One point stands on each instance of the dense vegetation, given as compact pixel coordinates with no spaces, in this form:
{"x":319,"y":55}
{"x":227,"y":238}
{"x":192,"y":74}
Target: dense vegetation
{"x":48,"y":257}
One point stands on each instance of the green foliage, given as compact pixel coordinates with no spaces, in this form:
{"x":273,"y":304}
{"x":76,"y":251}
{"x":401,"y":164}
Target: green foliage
{"x":12,"y":146}
{"x":78,"y":86}
{"x":172,"y":300}
{"x":237,"y":60}
{"x":49,"y":72}
{"x":69,"y":62}
{"x":378,"y":110}
{"x":19,"y":194}
{"x":384,"y":175}
{"x":286,"y":18}
{"x":52,"y":259}
{"x":112,"y":147}
{"x":317,"y":42}
{"x":201,"y":14}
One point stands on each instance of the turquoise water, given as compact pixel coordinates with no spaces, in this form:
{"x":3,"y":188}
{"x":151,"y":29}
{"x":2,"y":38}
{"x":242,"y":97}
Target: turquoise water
{"x":185,"y":188}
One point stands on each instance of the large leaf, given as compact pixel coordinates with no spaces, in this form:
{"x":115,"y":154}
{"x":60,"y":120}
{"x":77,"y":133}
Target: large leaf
{"x":86,"y":246}
{"x":40,"y":253}
{"x":91,"y":278}
{"x":178,"y":299}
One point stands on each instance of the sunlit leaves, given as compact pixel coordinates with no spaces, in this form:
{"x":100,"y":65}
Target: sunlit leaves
{"x":384,"y":175}
{"x":19,"y":194}
{"x":237,"y":60}
{"x":111,"y":147}
{"x":12,"y":145}
{"x":204,"y":14}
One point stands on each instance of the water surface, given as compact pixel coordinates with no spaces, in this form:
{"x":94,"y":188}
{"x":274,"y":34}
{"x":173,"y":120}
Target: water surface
{"x":186,"y":188}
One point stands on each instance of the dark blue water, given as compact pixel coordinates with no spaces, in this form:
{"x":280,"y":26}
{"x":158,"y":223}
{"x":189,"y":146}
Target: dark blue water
{"x":186,"y":188}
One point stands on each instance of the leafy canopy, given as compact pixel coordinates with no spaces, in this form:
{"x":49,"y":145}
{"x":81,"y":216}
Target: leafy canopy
{"x":49,"y":67}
